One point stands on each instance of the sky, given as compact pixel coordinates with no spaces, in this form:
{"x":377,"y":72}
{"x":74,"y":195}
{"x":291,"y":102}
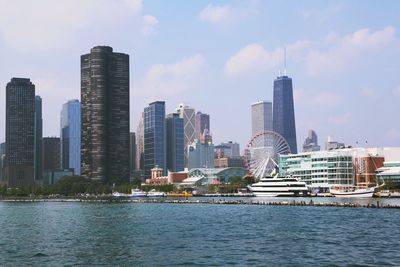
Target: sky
{"x":219,"y":57}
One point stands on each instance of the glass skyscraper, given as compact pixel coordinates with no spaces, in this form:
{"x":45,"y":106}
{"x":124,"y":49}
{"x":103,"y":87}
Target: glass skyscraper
{"x":20,"y":132}
{"x":283,"y":111}
{"x":71,"y":136}
{"x":105,"y":115}
{"x":202,"y":122}
{"x":154,"y":137}
{"x":175,"y":143}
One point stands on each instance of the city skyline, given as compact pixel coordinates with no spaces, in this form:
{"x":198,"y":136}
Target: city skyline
{"x":330,"y":95}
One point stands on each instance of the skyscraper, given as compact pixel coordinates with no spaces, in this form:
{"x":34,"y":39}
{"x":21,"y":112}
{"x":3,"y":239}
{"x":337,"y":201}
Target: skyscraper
{"x":51,"y":154}
{"x":283,"y":111}
{"x":38,"y":138}
{"x":132,"y":151}
{"x":311,"y":142}
{"x":20,"y":132}
{"x":175,"y":143}
{"x":105,"y":115}
{"x":2,"y":157}
{"x":261,"y":117}
{"x":154,"y":137}
{"x":71,"y":136}
{"x":188,"y":115}
{"x":140,"y":143}
{"x":202,"y":122}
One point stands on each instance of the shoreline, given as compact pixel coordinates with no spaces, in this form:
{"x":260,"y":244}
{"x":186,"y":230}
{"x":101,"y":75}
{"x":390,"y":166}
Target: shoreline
{"x":311,"y":203}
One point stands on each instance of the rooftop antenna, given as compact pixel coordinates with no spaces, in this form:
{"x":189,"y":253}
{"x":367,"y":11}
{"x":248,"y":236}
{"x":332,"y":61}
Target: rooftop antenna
{"x":284,"y":61}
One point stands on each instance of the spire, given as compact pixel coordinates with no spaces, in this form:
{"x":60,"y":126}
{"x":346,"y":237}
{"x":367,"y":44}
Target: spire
{"x":284,"y":61}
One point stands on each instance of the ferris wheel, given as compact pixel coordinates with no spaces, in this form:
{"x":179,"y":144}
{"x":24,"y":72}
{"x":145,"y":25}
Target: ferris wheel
{"x":262,"y":153}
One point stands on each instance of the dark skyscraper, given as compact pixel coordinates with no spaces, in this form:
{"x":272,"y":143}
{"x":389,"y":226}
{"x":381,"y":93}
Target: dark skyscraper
{"x":154,"y":137}
{"x":20,"y":132}
{"x":175,"y":143}
{"x":202,"y":122}
{"x":38,"y":138}
{"x":51,"y":154}
{"x":105,"y":115}
{"x":283,"y":111}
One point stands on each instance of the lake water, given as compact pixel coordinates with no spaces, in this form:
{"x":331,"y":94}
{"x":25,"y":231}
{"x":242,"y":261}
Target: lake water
{"x":134,"y":234}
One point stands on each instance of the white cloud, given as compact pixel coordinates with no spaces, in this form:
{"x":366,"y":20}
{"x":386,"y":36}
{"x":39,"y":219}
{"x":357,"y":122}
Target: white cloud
{"x":227,"y":14}
{"x":340,"y":119}
{"x":337,"y":53}
{"x":253,"y":58}
{"x":170,"y":79}
{"x":48,"y":23}
{"x":217,"y":14}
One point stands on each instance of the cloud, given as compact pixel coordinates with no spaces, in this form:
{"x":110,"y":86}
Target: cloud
{"x":46,"y":23}
{"x":169,"y":79}
{"x":253,"y":58}
{"x":217,"y":14}
{"x":336,"y":53}
{"x":396,"y":91}
{"x":340,"y":119}
{"x":226,"y":14}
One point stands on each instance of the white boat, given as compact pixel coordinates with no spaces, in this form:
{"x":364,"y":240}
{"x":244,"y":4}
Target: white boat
{"x":353,"y":192}
{"x":118,"y":194}
{"x":279,"y":187}
{"x":154,"y":193}
{"x":136,"y":192}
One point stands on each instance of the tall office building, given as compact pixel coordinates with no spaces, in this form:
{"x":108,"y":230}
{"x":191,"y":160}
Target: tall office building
{"x":261,"y":117}
{"x":2,"y":157}
{"x":20,"y":132}
{"x":105,"y":115}
{"x":71,"y":136}
{"x":140,"y":143}
{"x":188,"y":115}
{"x":202,"y":122}
{"x":51,"y":154}
{"x":201,"y":155}
{"x":132,"y":151}
{"x":154,"y":137}
{"x":175,"y":143}
{"x":38,"y":138}
{"x":283,"y":111}
{"x":311,"y":142}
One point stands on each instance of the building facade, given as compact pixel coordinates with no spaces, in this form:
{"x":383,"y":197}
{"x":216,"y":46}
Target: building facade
{"x":20,"y":133}
{"x":320,"y":170}
{"x":311,"y":142}
{"x":70,"y":136}
{"x":132,"y":151}
{"x":140,"y":143}
{"x":188,"y":115}
{"x":105,"y":115}
{"x":51,"y":154}
{"x":200,"y":155}
{"x":175,"y":143}
{"x":202,"y":122}
{"x":261,"y":117}
{"x":2,"y":160}
{"x":38,"y":139}
{"x":283,"y":111}
{"x":154,"y":137}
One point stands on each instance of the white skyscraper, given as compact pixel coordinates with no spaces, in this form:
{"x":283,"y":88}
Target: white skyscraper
{"x":188,"y":115}
{"x":261,"y":117}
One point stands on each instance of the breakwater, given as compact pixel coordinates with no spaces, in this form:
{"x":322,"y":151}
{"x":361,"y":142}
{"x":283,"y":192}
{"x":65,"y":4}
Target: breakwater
{"x":273,"y":202}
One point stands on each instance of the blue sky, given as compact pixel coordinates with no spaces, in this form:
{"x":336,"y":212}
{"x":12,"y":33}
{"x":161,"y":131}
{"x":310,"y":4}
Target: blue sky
{"x":219,"y":57}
